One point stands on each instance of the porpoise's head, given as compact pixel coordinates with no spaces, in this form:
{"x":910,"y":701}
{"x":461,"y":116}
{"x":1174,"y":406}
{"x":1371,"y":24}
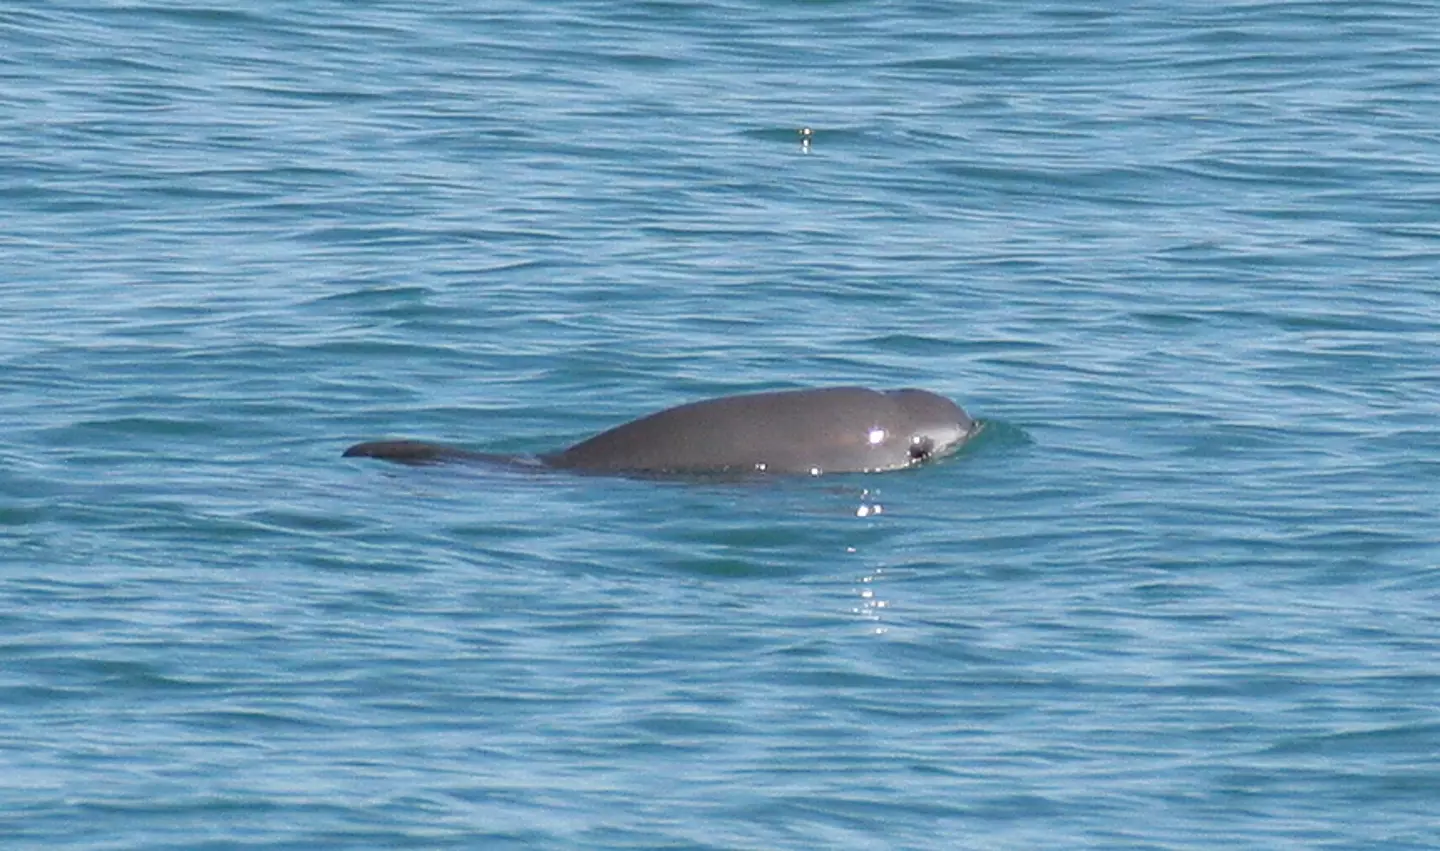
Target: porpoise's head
{"x":934,"y":425}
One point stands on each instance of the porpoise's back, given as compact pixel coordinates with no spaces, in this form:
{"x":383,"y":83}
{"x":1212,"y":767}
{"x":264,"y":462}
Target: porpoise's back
{"x":837,"y":429}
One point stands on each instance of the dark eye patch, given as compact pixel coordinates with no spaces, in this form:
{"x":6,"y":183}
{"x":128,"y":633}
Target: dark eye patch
{"x":921,"y":448}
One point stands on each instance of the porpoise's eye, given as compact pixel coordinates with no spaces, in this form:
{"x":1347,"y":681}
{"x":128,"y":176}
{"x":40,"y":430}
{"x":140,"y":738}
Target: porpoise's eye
{"x":921,"y":448}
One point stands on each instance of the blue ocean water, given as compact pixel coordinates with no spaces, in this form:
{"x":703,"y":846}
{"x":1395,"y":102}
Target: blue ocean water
{"x":1182,"y":257}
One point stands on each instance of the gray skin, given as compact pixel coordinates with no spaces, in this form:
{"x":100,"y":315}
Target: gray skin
{"x":829,"y":430}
